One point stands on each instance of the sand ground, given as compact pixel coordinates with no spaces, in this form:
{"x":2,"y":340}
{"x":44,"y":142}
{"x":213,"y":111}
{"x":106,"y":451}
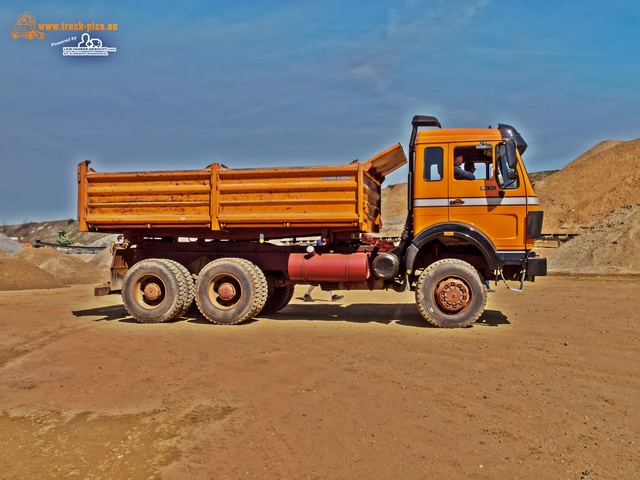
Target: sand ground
{"x":546,"y":386}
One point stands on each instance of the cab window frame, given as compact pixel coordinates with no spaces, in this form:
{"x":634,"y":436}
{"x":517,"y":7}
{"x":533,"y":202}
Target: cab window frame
{"x":433,"y":164}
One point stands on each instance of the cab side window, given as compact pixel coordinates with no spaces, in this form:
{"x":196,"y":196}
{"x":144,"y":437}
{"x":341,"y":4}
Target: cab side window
{"x":433,"y":162}
{"x":465,"y":163}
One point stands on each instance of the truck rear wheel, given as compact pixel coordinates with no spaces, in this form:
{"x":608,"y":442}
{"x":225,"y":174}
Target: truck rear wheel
{"x":279,"y":299}
{"x":189,"y":291}
{"x":153,"y":290}
{"x":450,"y":293}
{"x":230,"y":291}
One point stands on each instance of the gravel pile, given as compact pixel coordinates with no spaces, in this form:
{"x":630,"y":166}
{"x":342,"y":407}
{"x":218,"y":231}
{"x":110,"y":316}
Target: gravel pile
{"x":8,"y":245}
{"x":104,"y":241}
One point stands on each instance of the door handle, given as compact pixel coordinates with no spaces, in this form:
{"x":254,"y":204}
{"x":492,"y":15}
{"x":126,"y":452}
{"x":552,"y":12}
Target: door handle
{"x":457,"y":201}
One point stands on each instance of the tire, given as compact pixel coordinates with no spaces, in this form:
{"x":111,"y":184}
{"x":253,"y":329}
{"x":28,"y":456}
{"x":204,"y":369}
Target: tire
{"x":450,"y":294}
{"x":279,"y":299}
{"x":153,"y":290}
{"x":230,"y":291}
{"x":188,"y":292}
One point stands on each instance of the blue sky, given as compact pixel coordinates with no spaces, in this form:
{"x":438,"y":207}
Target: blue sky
{"x":269,"y":83}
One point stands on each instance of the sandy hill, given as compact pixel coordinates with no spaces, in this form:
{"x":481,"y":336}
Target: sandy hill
{"x":597,"y":182}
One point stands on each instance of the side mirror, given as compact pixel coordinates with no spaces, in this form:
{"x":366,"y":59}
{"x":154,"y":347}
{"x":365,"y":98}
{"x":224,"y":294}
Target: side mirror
{"x":511,"y":174}
{"x":512,"y":157}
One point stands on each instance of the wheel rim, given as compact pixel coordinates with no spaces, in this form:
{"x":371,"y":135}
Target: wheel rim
{"x":453,"y":294}
{"x":224,"y":291}
{"x":149,"y":292}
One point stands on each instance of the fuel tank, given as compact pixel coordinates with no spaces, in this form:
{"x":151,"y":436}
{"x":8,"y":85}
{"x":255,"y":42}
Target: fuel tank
{"x":328,"y":267}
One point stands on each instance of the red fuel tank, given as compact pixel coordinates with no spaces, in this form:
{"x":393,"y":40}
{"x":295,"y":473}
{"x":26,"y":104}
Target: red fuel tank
{"x":328,"y":267}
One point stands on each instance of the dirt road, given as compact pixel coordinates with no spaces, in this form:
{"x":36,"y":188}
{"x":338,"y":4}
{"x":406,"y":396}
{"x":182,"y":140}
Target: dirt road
{"x":547,"y":386}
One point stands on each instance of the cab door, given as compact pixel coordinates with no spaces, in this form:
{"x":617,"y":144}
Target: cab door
{"x":499,"y":213}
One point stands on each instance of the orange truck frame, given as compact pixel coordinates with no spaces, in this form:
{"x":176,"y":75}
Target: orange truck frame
{"x":227,"y":238}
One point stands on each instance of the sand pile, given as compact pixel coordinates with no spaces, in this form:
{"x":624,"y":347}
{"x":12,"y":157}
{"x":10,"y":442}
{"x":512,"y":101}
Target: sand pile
{"x":41,"y":268}
{"x":66,"y":268}
{"x":102,"y":259}
{"x":17,"y":274}
{"x":610,"y":246}
{"x":596,"y":196}
{"x":33,"y":268}
{"x":594,"y":184}
{"x":394,"y":209}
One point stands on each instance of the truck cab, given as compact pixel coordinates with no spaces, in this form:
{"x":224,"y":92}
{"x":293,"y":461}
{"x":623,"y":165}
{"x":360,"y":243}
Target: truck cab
{"x":470,"y":200}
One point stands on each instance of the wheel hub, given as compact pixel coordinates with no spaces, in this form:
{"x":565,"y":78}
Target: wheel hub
{"x":452,"y":295}
{"x":226,"y":291}
{"x":152,"y":291}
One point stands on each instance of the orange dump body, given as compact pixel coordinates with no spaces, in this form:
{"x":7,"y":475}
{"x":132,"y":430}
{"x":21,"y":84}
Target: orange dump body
{"x":219,"y":202}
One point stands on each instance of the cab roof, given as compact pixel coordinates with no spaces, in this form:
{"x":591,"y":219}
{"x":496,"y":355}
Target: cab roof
{"x":447,"y":135}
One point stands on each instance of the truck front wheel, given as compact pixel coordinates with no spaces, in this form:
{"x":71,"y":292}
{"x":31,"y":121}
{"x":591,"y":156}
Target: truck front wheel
{"x":153,"y":290}
{"x":450,"y":293}
{"x":230,"y":291}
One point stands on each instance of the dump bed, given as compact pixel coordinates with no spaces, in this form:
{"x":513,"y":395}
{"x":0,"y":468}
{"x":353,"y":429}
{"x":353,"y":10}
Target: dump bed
{"x":220,"y":202}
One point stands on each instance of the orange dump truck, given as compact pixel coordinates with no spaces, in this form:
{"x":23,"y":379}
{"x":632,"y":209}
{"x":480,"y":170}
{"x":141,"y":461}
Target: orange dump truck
{"x":226,"y":238}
